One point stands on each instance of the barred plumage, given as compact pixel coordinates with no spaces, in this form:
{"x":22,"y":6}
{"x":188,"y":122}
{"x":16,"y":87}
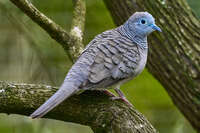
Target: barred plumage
{"x":116,"y":58}
{"x":111,"y":58}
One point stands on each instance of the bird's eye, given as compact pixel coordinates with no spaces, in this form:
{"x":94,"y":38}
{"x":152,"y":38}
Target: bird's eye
{"x":143,"y":21}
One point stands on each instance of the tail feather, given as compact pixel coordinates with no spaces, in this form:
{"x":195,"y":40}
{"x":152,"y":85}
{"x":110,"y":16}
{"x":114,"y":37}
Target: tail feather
{"x":53,"y":101}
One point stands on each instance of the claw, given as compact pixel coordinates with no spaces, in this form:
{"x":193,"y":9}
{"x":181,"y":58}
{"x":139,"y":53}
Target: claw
{"x":123,"y":99}
{"x":109,"y":93}
{"x":121,"y":96}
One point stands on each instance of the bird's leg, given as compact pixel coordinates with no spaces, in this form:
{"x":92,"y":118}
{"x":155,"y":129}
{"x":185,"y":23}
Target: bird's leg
{"x":121,"y":96}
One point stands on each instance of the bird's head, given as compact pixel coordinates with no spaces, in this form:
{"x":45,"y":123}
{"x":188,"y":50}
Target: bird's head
{"x":141,"y":24}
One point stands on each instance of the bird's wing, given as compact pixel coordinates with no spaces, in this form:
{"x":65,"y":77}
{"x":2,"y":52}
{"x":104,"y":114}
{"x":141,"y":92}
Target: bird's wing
{"x":115,"y":60}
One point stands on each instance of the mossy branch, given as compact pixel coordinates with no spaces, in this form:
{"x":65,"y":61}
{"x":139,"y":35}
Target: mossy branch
{"x":92,"y":108}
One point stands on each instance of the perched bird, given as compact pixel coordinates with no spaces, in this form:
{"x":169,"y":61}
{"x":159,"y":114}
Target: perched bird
{"x":110,"y":59}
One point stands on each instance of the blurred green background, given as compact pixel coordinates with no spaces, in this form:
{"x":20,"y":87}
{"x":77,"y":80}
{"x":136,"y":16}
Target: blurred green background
{"x":28,"y":54}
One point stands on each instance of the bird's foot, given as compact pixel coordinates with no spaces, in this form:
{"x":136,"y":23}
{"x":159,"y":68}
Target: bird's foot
{"x":107,"y":92}
{"x":123,"y":99}
{"x":121,"y":96}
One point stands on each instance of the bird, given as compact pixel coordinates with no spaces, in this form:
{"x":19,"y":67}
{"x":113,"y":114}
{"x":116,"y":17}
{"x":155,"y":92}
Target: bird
{"x":112,"y":58}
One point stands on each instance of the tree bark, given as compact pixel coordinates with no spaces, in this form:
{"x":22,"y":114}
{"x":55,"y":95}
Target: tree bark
{"x":92,"y":108}
{"x":174,"y":55}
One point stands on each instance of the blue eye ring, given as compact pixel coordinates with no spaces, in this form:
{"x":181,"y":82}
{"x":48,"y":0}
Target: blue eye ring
{"x":143,"y":21}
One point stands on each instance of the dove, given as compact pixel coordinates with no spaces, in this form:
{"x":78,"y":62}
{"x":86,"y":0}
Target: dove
{"x":109,"y":60}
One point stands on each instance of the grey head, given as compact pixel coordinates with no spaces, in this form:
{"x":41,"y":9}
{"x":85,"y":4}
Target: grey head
{"x":139,"y":25}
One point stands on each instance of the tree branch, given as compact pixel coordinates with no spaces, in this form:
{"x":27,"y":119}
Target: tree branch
{"x":22,"y":29}
{"x":77,"y":28}
{"x":71,"y":42}
{"x":92,"y":108}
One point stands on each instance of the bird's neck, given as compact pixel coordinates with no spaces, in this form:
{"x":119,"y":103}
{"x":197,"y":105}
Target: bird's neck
{"x":133,"y":36}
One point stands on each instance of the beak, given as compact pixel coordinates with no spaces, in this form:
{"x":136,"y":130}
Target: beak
{"x":155,"y":27}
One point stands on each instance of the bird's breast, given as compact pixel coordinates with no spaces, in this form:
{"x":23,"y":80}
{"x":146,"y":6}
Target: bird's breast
{"x":142,"y":61}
